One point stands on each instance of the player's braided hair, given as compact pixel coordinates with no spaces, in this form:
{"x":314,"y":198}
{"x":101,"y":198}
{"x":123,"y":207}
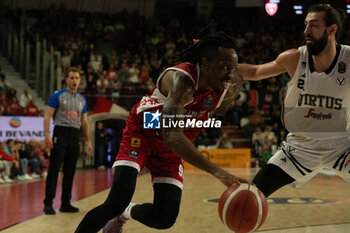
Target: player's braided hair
{"x":331,"y":16}
{"x":206,"y":47}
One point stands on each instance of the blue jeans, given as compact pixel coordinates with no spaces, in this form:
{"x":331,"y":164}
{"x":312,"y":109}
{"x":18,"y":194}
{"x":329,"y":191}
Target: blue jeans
{"x":100,"y":155}
{"x":24,"y":166}
{"x":33,"y":164}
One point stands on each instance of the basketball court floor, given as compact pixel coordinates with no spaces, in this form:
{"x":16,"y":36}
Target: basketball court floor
{"x":322,"y":205}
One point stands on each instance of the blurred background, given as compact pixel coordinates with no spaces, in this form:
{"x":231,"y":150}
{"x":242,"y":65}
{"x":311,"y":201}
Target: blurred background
{"x":121,"y":48}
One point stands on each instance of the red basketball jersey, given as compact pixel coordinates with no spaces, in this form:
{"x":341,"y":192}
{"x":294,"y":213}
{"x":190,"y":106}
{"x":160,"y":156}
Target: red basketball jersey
{"x":198,"y":107}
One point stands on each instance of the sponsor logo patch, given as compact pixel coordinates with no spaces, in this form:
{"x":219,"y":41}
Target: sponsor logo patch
{"x":135,"y":142}
{"x":342,"y":67}
{"x":133,"y":154}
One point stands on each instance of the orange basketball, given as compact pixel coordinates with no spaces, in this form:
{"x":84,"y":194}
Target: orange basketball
{"x":243,"y":208}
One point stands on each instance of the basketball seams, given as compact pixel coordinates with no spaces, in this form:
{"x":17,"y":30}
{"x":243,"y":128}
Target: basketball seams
{"x":233,"y":208}
{"x":254,"y":190}
{"x":244,"y":207}
{"x":229,"y":199}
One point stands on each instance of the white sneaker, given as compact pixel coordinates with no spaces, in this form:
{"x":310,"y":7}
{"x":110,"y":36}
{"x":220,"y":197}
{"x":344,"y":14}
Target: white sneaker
{"x":2,"y":181}
{"x":21,"y":178}
{"x":35,"y":176}
{"x":44,"y":174}
{"x":27,"y":177}
{"x":7,"y":179}
{"x":101,"y":167}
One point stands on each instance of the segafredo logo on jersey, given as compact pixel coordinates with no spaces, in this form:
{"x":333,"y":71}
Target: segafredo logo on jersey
{"x":156,"y":120}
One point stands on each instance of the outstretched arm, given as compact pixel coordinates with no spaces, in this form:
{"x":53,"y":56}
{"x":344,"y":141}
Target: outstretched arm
{"x":179,"y":93}
{"x":285,"y":62}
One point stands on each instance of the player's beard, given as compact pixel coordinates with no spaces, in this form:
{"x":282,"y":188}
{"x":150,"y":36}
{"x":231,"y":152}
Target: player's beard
{"x":316,"y":47}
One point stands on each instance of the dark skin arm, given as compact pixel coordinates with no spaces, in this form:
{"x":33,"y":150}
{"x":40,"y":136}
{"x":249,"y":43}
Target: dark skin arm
{"x":179,"y":90}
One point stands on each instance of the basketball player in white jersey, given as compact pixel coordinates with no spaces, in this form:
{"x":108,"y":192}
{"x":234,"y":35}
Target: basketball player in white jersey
{"x":316,"y":106}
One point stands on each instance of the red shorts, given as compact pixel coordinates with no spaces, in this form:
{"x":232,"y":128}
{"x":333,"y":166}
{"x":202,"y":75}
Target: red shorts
{"x":143,"y":147}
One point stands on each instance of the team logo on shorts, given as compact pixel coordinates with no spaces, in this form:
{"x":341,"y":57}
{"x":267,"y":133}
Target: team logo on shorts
{"x":151,"y":120}
{"x":133,"y":154}
{"x":135,"y":142}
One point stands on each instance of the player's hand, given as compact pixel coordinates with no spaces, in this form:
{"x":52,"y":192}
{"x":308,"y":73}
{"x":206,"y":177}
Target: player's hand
{"x":48,"y":144}
{"x":88,"y":144}
{"x":228,"y":179}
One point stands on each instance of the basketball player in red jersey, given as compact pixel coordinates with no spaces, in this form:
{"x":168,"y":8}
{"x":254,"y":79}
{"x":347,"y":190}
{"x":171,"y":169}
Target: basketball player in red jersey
{"x":206,"y":81}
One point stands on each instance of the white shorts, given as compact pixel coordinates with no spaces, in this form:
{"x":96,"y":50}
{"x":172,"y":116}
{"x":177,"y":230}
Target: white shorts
{"x":302,"y":159}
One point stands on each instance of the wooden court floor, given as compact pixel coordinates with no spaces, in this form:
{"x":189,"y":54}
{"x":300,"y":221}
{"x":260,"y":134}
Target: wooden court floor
{"x":321,"y":205}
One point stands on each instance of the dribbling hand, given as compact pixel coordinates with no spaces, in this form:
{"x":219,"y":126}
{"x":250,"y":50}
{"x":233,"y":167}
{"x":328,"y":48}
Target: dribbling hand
{"x":228,"y":179}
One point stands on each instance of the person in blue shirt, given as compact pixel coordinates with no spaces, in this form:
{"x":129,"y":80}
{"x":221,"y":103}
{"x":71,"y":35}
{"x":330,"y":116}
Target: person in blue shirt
{"x":68,"y":109}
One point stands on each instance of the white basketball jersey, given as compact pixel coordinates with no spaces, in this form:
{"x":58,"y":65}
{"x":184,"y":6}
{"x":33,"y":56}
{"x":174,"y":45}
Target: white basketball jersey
{"x":317,"y":105}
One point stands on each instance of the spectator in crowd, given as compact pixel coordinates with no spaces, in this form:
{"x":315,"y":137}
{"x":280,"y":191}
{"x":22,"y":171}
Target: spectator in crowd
{"x":96,"y":60}
{"x":111,"y":72}
{"x":102,"y":84}
{"x":258,"y":139}
{"x":144,"y":72}
{"x":40,"y":153}
{"x":256,"y":118}
{"x":26,"y":152}
{"x":114,"y":85}
{"x":65,"y":60}
{"x":150,"y":84}
{"x":3,"y":164}
{"x":282,"y":135}
{"x":123,"y":72}
{"x":2,"y":107}
{"x":100,"y":70}
{"x":7,"y":111}
{"x":134,"y":73}
{"x":271,"y":137}
{"x":203,"y":139}
{"x":4,"y":84}
{"x":7,"y":163}
{"x":16,"y":109}
{"x":3,"y":95}
{"x":20,"y":165}
{"x":265,"y":154}
{"x":224,"y":142}
{"x":83,"y":83}
{"x":101,"y":146}
{"x":11,"y":93}
{"x":31,"y":109}
{"x":76,"y":59}
{"x":25,"y":98}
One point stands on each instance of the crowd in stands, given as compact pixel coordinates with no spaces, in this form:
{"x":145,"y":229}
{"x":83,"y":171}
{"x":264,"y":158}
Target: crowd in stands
{"x":121,"y":56}
{"x":21,"y":161}
{"x":11,"y":105}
